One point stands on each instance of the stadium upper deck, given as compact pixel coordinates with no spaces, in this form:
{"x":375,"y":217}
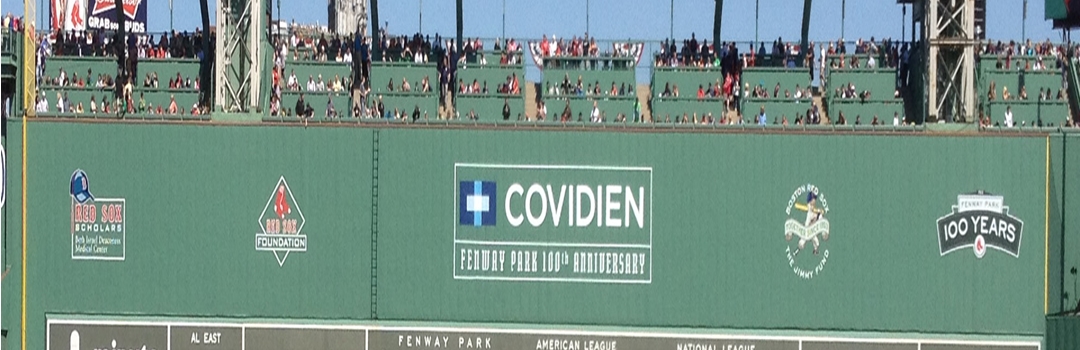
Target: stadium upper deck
{"x":580,"y":79}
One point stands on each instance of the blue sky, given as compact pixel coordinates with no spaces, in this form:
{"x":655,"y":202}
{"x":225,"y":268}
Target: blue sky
{"x":621,"y":19}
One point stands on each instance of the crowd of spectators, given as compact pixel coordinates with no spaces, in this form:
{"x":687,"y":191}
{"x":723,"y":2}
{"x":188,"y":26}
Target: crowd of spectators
{"x":890,"y":53}
{"x":107,"y":81}
{"x":12,"y":23}
{"x":692,"y":54}
{"x":512,"y":86}
{"x":1027,"y":48}
{"x":312,"y":44}
{"x":848,"y":92}
{"x":592,"y":89}
{"x":420,"y":48}
{"x":569,"y":53}
{"x":761,"y":92}
{"x":95,"y":43}
{"x":1045,"y":94}
{"x":108,"y":104}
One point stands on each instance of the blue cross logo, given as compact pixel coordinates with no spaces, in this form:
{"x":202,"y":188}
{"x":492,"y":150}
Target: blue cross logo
{"x":476,"y":203}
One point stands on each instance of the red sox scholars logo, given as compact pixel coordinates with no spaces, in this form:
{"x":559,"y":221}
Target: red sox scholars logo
{"x":281,"y":222}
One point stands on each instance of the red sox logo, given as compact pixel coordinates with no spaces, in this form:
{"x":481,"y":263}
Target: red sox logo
{"x":281,"y":205}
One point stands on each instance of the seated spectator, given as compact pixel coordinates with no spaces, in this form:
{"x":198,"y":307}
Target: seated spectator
{"x":172,"y":105}
{"x":331,"y":112}
{"x":292,"y":84}
{"x":567,"y":114}
{"x":541,"y":110}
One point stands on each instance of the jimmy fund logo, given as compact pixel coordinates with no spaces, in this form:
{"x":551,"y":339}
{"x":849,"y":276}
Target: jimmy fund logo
{"x":980,"y":220}
{"x":807,"y":223}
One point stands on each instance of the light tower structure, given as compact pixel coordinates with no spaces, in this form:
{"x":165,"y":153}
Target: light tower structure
{"x":243,"y":53}
{"x":949,"y":33}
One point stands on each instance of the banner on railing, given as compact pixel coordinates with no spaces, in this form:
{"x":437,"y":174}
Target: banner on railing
{"x":68,"y":15}
{"x":102,"y":15}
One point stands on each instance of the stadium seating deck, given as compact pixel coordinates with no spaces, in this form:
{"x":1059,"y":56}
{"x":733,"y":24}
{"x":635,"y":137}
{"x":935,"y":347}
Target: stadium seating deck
{"x":676,"y":107}
{"x":383,"y":72}
{"x":490,"y":107}
{"x":1029,"y":112}
{"x":328,"y":70}
{"x":789,"y":79}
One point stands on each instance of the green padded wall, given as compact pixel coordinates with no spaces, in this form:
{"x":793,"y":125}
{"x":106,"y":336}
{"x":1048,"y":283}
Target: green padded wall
{"x":698,"y":242}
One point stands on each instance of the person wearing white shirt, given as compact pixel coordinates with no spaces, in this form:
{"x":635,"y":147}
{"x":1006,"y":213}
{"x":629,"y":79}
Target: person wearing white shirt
{"x":292,"y":85}
{"x":871,"y":63}
{"x":896,"y":119}
{"x":311,"y":83}
{"x":60,"y":103}
{"x":595,"y":113}
{"x":1008,"y":117}
{"x":43,"y":105}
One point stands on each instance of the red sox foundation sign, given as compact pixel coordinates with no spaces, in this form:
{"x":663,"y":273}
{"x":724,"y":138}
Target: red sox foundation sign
{"x":281,"y":222}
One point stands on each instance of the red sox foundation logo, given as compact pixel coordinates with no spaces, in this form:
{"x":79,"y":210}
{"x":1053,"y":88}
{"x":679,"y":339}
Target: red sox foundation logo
{"x":281,"y":222}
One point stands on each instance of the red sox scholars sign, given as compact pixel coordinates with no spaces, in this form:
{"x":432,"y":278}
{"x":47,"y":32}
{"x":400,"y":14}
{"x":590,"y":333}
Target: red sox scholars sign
{"x":281,"y":222}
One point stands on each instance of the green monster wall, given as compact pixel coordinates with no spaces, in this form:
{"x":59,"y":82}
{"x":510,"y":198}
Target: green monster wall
{"x":194,"y":197}
{"x":706,"y":247}
{"x":718,"y":214}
